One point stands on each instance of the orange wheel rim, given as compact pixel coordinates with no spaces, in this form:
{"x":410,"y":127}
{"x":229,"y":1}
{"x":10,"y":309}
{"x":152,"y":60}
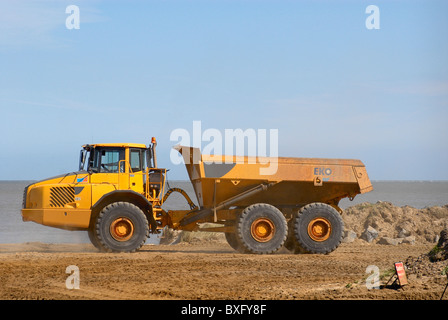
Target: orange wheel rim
{"x":262,"y":230}
{"x":319,"y":229}
{"x":122,"y":229}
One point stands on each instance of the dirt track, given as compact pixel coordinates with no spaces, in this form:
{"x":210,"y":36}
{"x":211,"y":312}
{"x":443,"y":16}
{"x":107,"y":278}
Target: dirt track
{"x":210,"y":270}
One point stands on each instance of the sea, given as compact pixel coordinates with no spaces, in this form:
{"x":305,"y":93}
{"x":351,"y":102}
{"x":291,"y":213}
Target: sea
{"x":417,"y":194}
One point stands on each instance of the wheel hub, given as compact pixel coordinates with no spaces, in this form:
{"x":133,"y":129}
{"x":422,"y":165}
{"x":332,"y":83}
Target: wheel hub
{"x":262,"y":230}
{"x":122,"y":229}
{"x":319,"y":229}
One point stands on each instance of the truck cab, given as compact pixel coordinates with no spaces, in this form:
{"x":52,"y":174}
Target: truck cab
{"x":117,"y":173}
{"x":121,"y":165}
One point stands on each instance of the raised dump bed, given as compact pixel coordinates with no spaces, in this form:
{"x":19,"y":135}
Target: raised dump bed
{"x":296,"y":205}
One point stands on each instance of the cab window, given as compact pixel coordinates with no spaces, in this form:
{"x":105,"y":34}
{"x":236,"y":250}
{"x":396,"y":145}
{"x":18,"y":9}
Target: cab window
{"x":107,"y":160}
{"x":136,"y":160}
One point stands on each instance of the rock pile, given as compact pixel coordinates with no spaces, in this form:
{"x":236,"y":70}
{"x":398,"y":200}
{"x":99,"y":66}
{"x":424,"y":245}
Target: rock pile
{"x":381,"y":223}
{"x":432,"y":264}
{"x":384,"y":223}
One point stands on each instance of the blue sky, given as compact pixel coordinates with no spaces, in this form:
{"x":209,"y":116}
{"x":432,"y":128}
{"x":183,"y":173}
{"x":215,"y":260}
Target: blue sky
{"x":310,"y":69}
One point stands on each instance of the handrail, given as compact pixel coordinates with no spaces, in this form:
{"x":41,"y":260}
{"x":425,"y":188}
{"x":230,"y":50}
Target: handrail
{"x":183,"y":193}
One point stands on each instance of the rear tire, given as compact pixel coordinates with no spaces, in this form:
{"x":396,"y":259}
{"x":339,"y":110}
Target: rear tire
{"x":232,"y":240}
{"x":291,"y":243}
{"x":318,"y":228}
{"x":121,"y":227}
{"x":261,"y":228}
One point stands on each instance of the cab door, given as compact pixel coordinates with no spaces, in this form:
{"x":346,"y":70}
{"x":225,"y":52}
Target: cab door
{"x":108,"y":163}
{"x":137,"y":169}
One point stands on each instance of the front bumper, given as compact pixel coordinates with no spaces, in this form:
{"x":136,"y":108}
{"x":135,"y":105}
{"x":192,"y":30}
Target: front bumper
{"x":69,"y":219}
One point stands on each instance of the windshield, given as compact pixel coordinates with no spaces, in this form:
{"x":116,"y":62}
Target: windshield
{"x":107,"y":159}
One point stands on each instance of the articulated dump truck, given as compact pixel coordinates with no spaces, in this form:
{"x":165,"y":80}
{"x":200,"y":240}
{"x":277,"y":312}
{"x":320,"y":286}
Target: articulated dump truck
{"x":118,"y":193}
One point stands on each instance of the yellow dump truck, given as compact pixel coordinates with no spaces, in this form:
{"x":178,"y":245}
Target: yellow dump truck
{"x":118,"y":193}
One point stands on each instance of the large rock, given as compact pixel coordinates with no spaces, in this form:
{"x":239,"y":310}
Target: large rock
{"x":349,"y":236}
{"x":369,"y":234}
{"x":390,"y":241}
{"x":409,"y":240}
{"x":403,"y":233}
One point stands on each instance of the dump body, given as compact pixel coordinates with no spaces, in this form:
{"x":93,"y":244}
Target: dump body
{"x":292,"y":182}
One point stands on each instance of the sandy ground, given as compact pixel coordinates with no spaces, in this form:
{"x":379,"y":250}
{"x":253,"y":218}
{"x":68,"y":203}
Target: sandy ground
{"x":208,"y":271}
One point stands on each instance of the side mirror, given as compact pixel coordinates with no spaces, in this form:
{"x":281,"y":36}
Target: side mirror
{"x":81,"y":159}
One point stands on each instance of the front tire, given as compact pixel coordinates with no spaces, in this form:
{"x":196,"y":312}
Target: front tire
{"x":121,"y":227}
{"x":93,"y":237}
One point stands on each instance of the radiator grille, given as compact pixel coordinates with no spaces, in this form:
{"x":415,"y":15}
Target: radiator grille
{"x":60,"y":196}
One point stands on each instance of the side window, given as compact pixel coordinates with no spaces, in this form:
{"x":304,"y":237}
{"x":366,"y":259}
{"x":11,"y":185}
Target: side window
{"x":136,"y":160}
{"x":110,"y":159}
